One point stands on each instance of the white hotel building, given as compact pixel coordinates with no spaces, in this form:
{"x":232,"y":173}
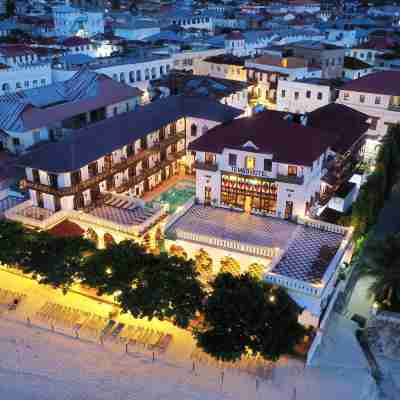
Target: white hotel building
{"x":255,"y":181}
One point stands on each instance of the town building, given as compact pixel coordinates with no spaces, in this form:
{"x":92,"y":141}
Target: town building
{"x":95,"y":178}
{"x":377,"y":95}
{"x":136,"y":71}
{"x":224,"y":66}
{"x":266,"y":71}
{"x":354,"y":68}
{"x":53,"y":111}
{"x":304,"y":95}
{"x":330,"y":57}
{"x":71,"y":21}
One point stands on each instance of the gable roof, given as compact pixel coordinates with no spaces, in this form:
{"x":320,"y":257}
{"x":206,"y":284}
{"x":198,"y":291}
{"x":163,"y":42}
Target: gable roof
{"x":85,"y":91}
{"x":94,"y":141}
{"x":385,"y":82}
{"x":344,"y":125}
{"x":271,"y":133}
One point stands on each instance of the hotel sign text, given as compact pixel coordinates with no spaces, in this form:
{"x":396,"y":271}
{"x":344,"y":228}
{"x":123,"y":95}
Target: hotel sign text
{"x":252,"y":172}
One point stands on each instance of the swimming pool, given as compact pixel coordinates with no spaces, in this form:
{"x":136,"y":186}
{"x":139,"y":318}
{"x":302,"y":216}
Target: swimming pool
{"x":177,"y":195}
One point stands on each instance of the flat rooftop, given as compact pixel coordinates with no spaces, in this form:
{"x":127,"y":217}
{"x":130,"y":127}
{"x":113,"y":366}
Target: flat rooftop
{"x":308,"y":250}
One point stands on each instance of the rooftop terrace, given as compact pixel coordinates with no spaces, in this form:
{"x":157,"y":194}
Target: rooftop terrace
{"x":305,"y":251}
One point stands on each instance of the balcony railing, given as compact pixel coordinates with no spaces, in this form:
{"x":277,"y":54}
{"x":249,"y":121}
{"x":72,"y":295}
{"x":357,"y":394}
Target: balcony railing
{"x":134,"y":180}
{"x":294,"y":180}
{"x":208,"y":166}
{"x":394,"y":107}
{"x":112,"y":170}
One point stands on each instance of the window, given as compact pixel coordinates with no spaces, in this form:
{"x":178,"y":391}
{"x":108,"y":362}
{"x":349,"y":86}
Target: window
{"x":319,"y":96}
{"x":122,"y":77}
{"x":5,"y":87}
{"x":283,"y":93}
{"x":132,"y":76}
{"x":138,"y":76}
{"x":250,"y":162}
{"x":346,"y":96}
{"x":193,"y":130}
{"x":292,"y":170}
{"x":267,"y":164}
{"x":362,"y":98}
{"x":16,"y":141}
{"x":43,"y":82}
{"x":26,"y":84}
{"x":18,"y":85}
{"x":232,"y":159}
{"x":115,"y":111}
{"x":308,"y":94}
{"x":296,"y":95}
{"x":377,"y":100}
{"x":373,"y":123}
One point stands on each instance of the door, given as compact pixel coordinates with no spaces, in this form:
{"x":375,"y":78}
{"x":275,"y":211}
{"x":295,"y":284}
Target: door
{"x":289,"y":210}
{"x":207,"y":195}
{"x":247,"y":204}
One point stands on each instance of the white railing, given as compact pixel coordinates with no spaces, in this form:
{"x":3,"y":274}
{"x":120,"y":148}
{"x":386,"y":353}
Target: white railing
{"x":294,"y":284}
{"x":16,"y":214}
{"x":180,"y":212}
{"x":259,"y":251}
{"x":325,"y":226}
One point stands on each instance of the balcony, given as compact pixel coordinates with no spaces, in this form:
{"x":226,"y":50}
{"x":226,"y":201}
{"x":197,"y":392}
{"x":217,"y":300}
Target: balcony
{"x":134,"y":180}
{"x":207,"y":166}
{"x":394,"y":107}
{"x":123,"y":164}
{"x":293,"y":180}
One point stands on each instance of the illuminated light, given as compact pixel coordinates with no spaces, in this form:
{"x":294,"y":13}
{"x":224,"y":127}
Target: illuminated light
{"x":272,"y":298}
{"x":117,"y":293}
{"x":375,"y":305}
{"x":108,"y":271}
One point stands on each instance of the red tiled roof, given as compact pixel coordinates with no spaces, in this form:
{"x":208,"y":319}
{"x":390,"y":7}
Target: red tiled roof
{"x":66,"y":228}
{"x":344,"y":125}
{"x":75,"y":41}
{"x":109,"y":92}
{"x":12,"y":50}
{"x":289,"y":142}
{"x":235,"y":35}
{"x":386,"y":83}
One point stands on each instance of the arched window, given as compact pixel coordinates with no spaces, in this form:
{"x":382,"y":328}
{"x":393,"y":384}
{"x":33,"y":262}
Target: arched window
{"x":193,"y":130}
{"x":5,"y":87}
{"x":153,"y":73}
{"x":162,"y":70}
{"x":115,"y":77}
{"x":18,"y":85}
{"x":122,"y":77}
{"x":132,"y":76}
{"x":138,"y":76}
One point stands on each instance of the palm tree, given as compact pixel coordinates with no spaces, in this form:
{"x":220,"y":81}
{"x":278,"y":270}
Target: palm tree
{"x":382,"y":261}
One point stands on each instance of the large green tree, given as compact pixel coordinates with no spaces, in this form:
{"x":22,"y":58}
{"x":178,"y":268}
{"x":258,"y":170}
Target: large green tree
{"x":56,"y":261}
{"x":245,"y":314}
{"x":144,"y":284}
{"x":382,"y":261}
{"x":388,"y":160}
{"x":12,"y":242}
{"x":368,"y":205}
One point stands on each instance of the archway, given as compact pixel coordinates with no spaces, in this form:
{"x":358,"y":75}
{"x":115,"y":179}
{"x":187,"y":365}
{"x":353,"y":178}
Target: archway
{"x":108,"y":240}
{"x":92,"y":236}
{"x":230,"y":265}
{"x":178,"y":251}
{"x":204,"y":264}
{"x":256,"y":270}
